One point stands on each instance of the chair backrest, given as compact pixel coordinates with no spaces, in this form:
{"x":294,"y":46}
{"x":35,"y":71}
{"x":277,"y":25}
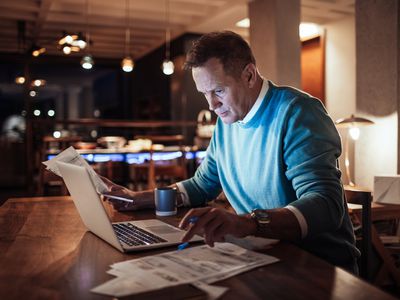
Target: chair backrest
{"x":363,"y":197}
{"x":171,"y":170}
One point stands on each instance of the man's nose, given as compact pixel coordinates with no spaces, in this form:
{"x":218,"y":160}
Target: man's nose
{"x":213,"y":103}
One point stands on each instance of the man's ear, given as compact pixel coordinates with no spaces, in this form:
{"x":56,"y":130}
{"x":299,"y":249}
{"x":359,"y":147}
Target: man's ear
{"x":249,"y":74}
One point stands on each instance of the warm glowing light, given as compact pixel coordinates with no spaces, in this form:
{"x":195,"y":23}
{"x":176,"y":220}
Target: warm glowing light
{"x":51,"y":113}
{"x":20,"y":80}
{"x":66,"y":50}
{"x":93,"y":133}
{"x":32,"y":93}
{"x":69,"y":39}
{"x":354,"y":132}
{"x":168,"y":67}
{"x":56,"y":134}
{"x":308,"y":31}
{"x":39,"y":82}
{"x":245,"y":23}
{"x":36,"y":112}
{"x":127,"y":64}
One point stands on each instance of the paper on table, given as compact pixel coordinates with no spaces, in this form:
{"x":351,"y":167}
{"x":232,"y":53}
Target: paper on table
{"x":251,"y":242}
{"x":196,"y":264}
{"x":71,"y":156}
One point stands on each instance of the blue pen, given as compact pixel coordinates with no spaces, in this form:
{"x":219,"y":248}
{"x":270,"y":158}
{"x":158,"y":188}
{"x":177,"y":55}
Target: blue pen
{"x":192,"y":220}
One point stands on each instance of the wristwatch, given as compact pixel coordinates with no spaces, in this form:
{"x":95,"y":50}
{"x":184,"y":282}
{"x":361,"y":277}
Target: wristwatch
{"x":262,"y":219}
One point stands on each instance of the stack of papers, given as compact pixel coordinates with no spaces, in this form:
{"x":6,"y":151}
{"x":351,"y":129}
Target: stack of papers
{"x":71,"y":156}
{"x":199,"y":266}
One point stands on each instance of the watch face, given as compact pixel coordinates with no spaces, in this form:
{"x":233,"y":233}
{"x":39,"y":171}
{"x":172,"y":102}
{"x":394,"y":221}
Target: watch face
{"x":261,"y":215}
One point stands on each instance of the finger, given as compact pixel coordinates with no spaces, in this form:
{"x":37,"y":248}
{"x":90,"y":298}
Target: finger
{"x":198,"y":227}
{"x":219,"y":233}
{"x":209,"y":230}
{"x":107,"y":181}
{"x":194,"y":212}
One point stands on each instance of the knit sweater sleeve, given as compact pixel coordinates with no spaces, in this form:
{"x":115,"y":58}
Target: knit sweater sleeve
{"x":205,"y":184}
{"x":311,"y":149}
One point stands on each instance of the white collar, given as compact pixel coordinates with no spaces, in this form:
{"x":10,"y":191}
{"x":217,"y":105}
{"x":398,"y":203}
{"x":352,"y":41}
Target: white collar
{"x":257,"y":104}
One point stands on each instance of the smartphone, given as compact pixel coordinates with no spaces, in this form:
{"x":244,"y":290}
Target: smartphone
{"x":118,"y":198}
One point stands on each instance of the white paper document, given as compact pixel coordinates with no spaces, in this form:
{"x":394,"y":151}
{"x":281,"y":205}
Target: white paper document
{"x":71,"y":156}
{"x":202,"y":264}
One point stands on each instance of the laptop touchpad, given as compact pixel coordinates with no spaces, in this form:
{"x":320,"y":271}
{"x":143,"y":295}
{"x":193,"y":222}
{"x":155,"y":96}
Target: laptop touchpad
{"x":161,"y":229}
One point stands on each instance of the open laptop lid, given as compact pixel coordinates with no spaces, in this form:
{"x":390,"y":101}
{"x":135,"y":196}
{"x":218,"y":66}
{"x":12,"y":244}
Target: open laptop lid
{"x":88,"y":203}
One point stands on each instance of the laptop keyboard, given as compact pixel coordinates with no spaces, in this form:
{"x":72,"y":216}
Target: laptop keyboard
{"x":135,"y":236}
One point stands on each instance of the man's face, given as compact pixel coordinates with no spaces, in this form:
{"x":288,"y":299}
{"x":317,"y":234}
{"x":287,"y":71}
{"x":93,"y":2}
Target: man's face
{"x":226,"y":95}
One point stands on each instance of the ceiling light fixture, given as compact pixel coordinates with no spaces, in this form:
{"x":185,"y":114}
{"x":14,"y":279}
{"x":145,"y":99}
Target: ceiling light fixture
{"x":244,"y":23}
{"x":72,"y":43}
{"x":167,"y":65}
{"x":127,"y":63}
{"x":87,"y":61}
{"x":308,"y":31}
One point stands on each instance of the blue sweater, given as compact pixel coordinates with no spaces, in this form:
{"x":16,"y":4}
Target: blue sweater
{"x":286,"y":154}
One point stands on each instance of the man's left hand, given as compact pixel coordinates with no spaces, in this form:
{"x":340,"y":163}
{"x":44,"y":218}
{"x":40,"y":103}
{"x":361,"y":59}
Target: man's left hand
{"x":215,"y":223}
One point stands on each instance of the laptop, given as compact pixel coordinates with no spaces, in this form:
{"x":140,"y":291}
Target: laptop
{"x":125,"y":236}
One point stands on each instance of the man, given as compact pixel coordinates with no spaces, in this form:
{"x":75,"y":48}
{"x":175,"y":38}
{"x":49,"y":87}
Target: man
{"x":273,"y":153}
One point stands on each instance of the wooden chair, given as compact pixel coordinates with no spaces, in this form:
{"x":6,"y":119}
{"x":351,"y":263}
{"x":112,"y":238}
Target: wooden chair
{"x":46,"y":178}
{"x":166,"y":171}
{"x":362,"y":197}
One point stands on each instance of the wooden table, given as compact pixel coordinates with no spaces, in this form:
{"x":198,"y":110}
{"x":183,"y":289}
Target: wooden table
{"x":380,"y":212}
{"x":46,"y":253}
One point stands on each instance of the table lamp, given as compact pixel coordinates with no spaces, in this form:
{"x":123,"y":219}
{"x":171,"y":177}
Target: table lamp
{"x":352,"y":123}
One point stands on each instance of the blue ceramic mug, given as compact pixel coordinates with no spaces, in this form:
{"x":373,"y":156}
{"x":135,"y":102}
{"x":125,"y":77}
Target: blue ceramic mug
{"x":165,"y":201}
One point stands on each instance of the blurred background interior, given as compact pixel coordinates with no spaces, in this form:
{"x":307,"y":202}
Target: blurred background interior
{"x":106,"y":77}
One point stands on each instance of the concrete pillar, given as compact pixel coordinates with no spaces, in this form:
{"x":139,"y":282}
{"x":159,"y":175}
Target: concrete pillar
{"x":274,"y":38}
{"x":73,"y":97}
{"x":377,"y":87}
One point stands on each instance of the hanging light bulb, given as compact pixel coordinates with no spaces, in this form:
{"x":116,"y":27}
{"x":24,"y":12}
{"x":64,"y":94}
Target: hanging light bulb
{"x":87,"y":62}
{"x":167,"y":65}
{"x":127,"y":64}
{"x":354,"y":132}
{"x":66,"y":49}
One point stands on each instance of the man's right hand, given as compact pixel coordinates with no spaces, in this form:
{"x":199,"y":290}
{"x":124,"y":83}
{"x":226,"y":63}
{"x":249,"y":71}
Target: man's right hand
{"x":141,"y":200}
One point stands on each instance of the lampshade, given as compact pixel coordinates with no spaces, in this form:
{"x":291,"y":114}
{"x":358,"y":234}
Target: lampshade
{"x":87,"y":62}
{"x":352,"y":121}
{"x":127,"y":64}
{"x":168,"y":67}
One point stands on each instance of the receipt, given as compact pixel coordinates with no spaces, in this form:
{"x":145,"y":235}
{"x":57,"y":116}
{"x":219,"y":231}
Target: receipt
{"x":71,"y":156}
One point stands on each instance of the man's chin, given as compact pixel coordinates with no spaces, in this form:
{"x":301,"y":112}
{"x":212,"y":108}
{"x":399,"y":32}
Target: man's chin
{"x":227,"y":119}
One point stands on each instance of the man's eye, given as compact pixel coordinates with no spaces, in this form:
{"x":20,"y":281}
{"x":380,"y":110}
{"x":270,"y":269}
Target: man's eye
{"x":219,"y":92}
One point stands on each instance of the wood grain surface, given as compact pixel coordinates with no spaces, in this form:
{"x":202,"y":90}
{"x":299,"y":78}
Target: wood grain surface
{"x":46,"y":253}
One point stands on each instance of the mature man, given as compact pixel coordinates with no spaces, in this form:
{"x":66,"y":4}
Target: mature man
{"x":273,"y":153}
